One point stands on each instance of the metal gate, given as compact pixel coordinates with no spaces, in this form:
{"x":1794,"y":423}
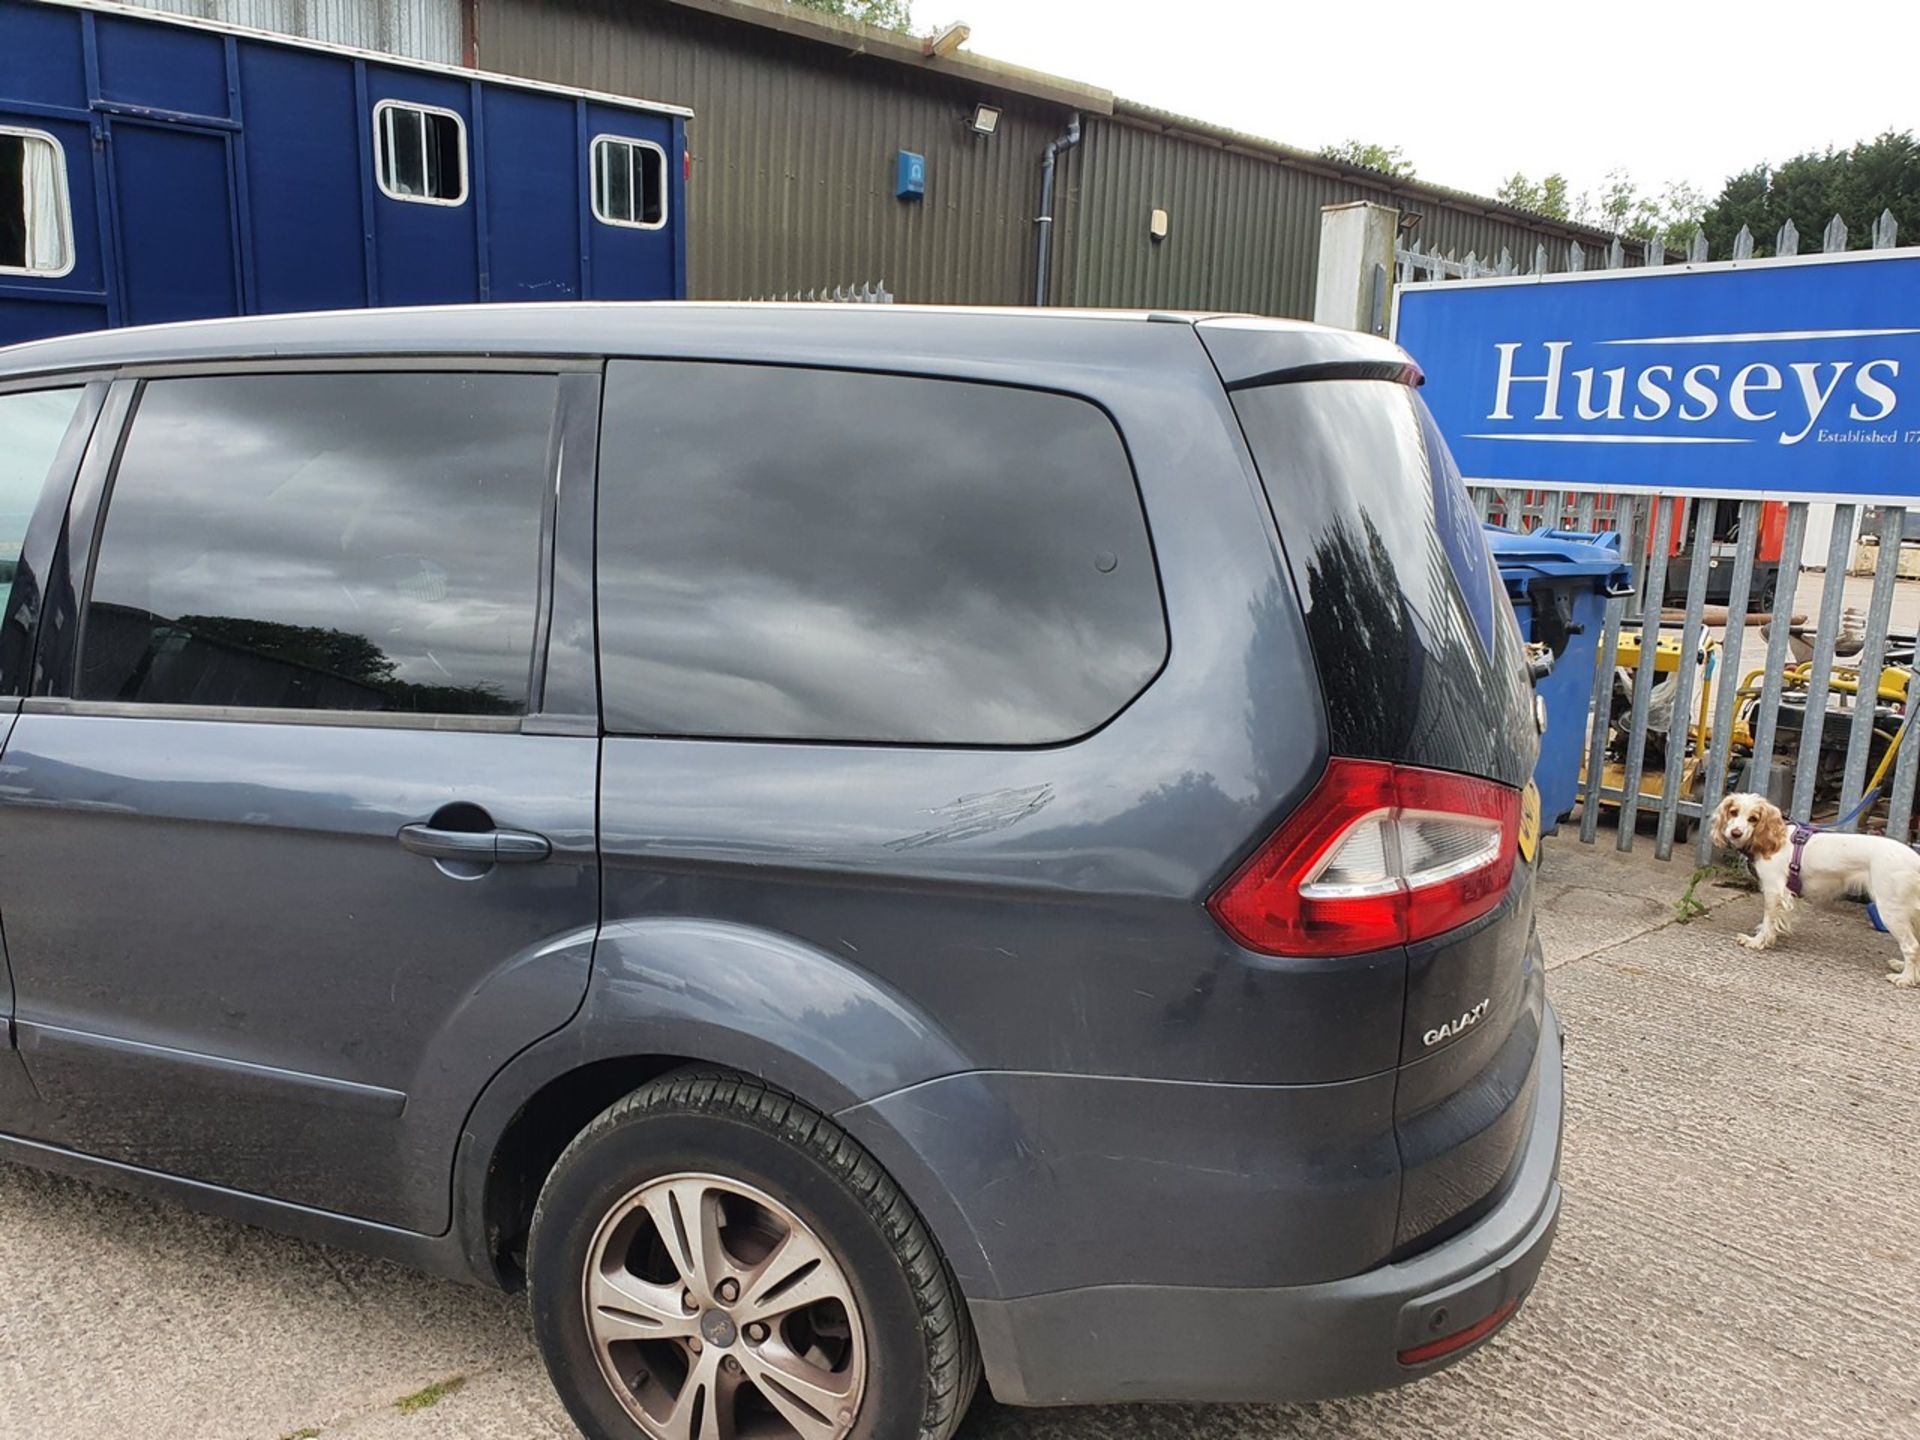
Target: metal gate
{"x":1815,"y":714}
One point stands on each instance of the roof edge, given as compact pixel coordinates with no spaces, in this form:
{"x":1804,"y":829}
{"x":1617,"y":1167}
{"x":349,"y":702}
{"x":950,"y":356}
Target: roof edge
{"x":1150,"y":117}
{"x":855,"y":37}
{"x":181,"y":20}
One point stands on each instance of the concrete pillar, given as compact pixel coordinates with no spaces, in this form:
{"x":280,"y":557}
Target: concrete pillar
{"x":1356,"y":265}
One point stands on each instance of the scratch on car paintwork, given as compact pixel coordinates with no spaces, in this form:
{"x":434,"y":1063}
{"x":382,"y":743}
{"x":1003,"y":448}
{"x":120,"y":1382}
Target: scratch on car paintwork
{"x":981,"y":814}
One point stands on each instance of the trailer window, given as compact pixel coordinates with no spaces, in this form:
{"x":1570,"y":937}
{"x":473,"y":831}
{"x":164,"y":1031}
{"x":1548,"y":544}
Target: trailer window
{"x":629,"y":182}
{"x":420,"y":153}
{"x":36,"y":220}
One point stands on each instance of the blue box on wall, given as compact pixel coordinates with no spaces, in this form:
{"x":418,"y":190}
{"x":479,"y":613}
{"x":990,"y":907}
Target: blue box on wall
{"x":910,"y":179}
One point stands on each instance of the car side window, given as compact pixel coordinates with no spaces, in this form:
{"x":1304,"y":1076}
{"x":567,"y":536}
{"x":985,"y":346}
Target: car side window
{"x":347,"y":541}
{"x":823,"y":555}
{"x":33,"y":424}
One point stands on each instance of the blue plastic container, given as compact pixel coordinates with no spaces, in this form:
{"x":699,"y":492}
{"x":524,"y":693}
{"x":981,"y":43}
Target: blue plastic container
{"x":1559,"y":581}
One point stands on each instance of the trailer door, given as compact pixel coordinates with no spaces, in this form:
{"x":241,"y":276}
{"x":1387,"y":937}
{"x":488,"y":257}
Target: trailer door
{"x":175,"y":247}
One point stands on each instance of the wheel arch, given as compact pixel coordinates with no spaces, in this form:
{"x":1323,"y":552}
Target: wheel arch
{"x":671,"y":994}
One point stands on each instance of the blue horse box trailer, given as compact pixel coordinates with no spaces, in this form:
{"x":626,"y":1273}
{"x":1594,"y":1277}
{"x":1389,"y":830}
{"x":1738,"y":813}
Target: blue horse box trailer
{"x":159,"y":168}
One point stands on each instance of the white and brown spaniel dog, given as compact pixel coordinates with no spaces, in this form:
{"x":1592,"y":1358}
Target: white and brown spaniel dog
{"x":1796,"y":862}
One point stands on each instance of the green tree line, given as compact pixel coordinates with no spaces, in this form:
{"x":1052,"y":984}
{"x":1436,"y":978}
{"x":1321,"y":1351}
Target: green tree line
{"x":1856,"y":183}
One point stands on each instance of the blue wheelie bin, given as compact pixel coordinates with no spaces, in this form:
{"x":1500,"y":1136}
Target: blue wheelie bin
{"x":1559,"y":581}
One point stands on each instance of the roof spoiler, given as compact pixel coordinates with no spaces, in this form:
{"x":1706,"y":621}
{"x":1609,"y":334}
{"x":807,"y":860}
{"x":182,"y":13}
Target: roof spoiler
{"x":1250,"y":352}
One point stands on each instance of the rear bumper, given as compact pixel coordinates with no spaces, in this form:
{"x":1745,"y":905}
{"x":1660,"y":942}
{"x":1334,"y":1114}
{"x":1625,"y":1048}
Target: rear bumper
{"x":1156,"y":1342}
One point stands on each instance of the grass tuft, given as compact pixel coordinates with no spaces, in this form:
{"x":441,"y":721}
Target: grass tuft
{"x":429,"y":1397}
{"x":1686,"y":908}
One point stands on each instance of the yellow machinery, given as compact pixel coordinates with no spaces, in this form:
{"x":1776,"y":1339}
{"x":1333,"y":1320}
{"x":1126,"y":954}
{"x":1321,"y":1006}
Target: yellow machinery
{"x":1667,"y":659}
{"x":1797,"y":680}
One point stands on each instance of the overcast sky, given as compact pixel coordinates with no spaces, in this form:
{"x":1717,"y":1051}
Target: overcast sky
{"x":1472,"y":93}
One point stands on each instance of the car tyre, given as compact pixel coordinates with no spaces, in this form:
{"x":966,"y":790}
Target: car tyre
{"x":714,"y":1191}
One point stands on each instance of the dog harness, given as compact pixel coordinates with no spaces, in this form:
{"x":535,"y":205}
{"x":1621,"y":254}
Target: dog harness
{"x":1801,"y":834}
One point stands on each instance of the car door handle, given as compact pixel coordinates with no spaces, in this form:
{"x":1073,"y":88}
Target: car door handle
{"x":486,"y":847}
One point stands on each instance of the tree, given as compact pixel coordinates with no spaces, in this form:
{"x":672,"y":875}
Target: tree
{"x":1388,"y":159}
{"x":1548,"y":198}
{"x":889,"y":14}
{"x":1811,"y":188}
{"x":1669,"y":218}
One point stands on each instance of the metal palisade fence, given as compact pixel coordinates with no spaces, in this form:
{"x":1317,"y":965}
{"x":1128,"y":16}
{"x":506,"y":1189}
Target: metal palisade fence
{"x":1417,"y":264}
{"x":1708,"y":679}
{"x":865,"y":293}
{"x":1813,"y":713}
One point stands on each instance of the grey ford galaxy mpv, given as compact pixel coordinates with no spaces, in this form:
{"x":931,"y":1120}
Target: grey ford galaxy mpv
{"x":844,"y":850}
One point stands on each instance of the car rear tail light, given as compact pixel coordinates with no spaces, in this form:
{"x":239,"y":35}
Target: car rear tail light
{"x":1378,"y":855}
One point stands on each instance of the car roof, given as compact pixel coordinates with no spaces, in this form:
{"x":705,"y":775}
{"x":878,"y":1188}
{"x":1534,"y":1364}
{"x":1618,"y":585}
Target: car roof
{"x":849,"y":333}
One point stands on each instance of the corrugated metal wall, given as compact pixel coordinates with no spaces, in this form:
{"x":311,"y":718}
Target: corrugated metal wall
{"x":418,"y":29}
{"x":1244,"y":228}
{"x":794,"y":148}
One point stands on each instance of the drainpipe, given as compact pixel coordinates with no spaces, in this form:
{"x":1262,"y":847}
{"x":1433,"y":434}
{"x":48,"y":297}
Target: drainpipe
{"x":1045,"y":220}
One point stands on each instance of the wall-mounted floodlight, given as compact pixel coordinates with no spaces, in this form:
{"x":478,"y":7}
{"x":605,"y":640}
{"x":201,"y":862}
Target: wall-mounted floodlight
{"x":1409,"y":221}
{"x":984,"y":120}
{"x":944,"y":42}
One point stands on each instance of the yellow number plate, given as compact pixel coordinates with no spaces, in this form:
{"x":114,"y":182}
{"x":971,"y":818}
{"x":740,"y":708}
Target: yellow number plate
{"x":1529,"y":821}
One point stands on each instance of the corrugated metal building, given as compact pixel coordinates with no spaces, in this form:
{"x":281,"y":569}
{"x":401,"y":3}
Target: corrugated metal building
{"x":799,"y":118}
{"x":1244,"y":218}
{"x":435,"y":30}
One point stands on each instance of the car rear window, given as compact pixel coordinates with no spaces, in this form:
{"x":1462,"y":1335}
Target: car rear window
{"x":1418,"y":653}
{"x":805,"y":554}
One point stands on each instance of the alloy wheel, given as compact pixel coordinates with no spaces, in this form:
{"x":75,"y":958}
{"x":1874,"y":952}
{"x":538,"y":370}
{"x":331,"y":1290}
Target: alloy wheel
{"x":716,"y":1313}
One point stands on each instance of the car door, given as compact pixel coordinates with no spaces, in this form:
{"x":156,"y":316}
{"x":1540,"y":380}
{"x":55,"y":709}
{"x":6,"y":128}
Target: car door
{"x":299,"y":821}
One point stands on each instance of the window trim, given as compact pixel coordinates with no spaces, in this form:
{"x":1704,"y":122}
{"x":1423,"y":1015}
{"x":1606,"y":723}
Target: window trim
{"x":599,"y":194}
{"x":92,"y":498}
{"x":66,"y":208}
{"x":384,"y":108}
{"x":267,"y":715}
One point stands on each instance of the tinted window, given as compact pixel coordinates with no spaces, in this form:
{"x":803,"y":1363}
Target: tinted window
{"x":337,"y":542}
{"x":32,"y":424}
{"x":1417,"y":660}
{"x":815,"y":555}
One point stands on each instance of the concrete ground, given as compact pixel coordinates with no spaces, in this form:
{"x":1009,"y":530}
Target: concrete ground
{"x":1739,"y":1254}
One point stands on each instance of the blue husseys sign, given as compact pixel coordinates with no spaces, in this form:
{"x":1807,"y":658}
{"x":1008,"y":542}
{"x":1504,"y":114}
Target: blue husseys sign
{"x":1795,"y":378}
